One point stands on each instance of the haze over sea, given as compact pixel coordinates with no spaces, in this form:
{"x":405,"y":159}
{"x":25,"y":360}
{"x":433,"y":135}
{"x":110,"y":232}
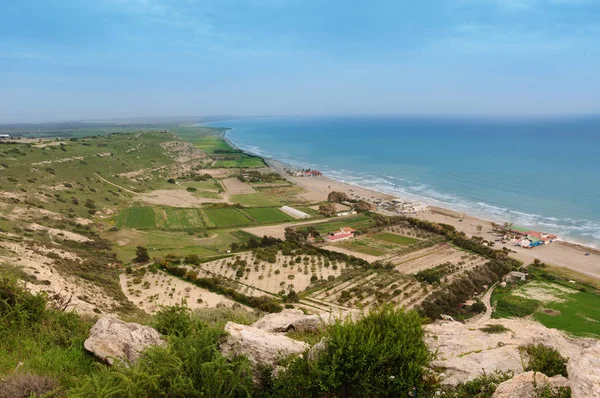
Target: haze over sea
{"x":540,"y":173}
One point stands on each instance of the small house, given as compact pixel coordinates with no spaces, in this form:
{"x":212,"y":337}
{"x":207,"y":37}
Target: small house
{"x":4,"y":137}
{"x":341,"y":235}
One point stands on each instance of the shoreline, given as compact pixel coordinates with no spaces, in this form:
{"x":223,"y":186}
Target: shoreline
{"x":561,"y":253}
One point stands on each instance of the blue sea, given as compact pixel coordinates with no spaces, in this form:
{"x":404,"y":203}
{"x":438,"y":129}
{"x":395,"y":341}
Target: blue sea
{"x":540,"y":173}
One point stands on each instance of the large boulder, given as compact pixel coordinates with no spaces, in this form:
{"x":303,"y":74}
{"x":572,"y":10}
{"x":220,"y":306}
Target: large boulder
{"x":464,"y":351}
{"x":584,"y":373}
{"x":112,"y":339}
{"x":288,"y":319}
{"x":261,"y":347}
{"x":529,"y":385}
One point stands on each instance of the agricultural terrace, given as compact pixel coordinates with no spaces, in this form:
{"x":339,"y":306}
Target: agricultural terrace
{"x":553,"y":301}
{"x":275,"y":272}
{"x":150,"y":289}
{"x":366,"y":290}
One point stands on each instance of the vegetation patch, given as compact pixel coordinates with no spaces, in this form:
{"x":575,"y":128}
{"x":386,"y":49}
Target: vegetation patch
{"x":255,"y":200}
{"x":226,"y":217}
{"x":396,"y":239}
{"x":515,"y":306}
{"x":494,"y":329}
{"x":136,"y":217}
{"x":267,"y":214}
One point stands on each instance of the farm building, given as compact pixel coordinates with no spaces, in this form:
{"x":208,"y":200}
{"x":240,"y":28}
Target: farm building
{"x":4,"y":137}
{"x":290,"y":211}
{"x":345,"y":213}
{"x":341,"y":235}
{"x":515,"y":276}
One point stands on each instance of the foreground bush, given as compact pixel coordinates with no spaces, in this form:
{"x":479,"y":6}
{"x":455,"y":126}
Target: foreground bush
{"x":38,"y":341}
{"x":190,"y":366}
{"x":381,"y":355}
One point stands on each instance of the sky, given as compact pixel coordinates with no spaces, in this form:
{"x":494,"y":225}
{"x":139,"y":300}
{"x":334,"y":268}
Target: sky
{"x":87,"y":60}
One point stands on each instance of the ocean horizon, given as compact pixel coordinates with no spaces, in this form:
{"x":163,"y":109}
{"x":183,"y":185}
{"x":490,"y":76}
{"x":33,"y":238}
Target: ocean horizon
{"x":538,"y":173}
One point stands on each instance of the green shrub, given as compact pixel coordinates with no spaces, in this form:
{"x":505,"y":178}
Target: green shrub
{"x":190,"y":366}
{"x":173,"y":321}
{"x":17,"y":306}
{"x":546,"y":360}
{"x":494,"y":329}
{"x":483,"y":386}
{"x":383,"y":354}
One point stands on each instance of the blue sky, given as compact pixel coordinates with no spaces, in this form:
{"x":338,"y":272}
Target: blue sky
{"x":74,"y":59}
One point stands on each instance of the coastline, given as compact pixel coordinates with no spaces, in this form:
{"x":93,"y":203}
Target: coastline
{"x":563,"y":254}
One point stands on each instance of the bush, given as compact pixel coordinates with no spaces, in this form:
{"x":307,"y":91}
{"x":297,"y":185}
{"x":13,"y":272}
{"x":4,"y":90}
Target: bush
{"x":483,"y":386}
{"x":383,"y":354}
{"x":18,"y":307}
{"x":494,"y":329}
{"x":546,"y":360}
{"x":141,"y":254}
{"x":173,"y":321}
{"x":478,"y":307}
{"x":190,"y":366}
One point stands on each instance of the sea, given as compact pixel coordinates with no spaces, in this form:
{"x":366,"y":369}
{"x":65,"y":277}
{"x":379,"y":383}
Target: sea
{"x":541,"y":173}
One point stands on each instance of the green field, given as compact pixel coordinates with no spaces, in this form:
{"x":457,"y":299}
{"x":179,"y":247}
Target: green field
{"x":256,"y":200}
{"x":358,"y":222}
{"x":240,"y":161}
{"x":162,"y":243}
{"x":227,"y":217}
{"x":267,"y":214}
{"x":580,"y":315}
{"x":574,"y":311}
{"x":136,"y":217}
{"x":209,"y":143}
{"x":393,"y":238}
{"x":183,"y":218}
{"x":308,"y":210}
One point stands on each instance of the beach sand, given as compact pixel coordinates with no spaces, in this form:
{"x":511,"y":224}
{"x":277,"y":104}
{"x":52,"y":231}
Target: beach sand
{"x":559,"y":254}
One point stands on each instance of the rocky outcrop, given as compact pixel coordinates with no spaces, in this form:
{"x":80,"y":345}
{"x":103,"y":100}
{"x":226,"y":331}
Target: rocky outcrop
{"x":112,"y":339}
{"x":584,"y":373}
{"x":288,"y":319}
{"x":464,"y":351}
{"x":260,"y":346}
{"x":529,"y":385}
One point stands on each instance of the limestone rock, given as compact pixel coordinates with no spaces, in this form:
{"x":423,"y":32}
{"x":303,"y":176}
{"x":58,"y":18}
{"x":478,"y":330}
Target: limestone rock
{"x":260,"y":346}
{"x":465,"y":351}
{"x":584,"y":373}
{"x":316,"y":350}
{"x":112,"y":339}
{"x":528,"y":385}
{"x":288,"y":319}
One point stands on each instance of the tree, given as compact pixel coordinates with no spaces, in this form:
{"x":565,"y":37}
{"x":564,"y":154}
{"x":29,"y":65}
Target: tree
{"x":337,"y":197}
{"x":361,"y":206}
{"x":327,"y":209}
{"x":141,"y":254}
